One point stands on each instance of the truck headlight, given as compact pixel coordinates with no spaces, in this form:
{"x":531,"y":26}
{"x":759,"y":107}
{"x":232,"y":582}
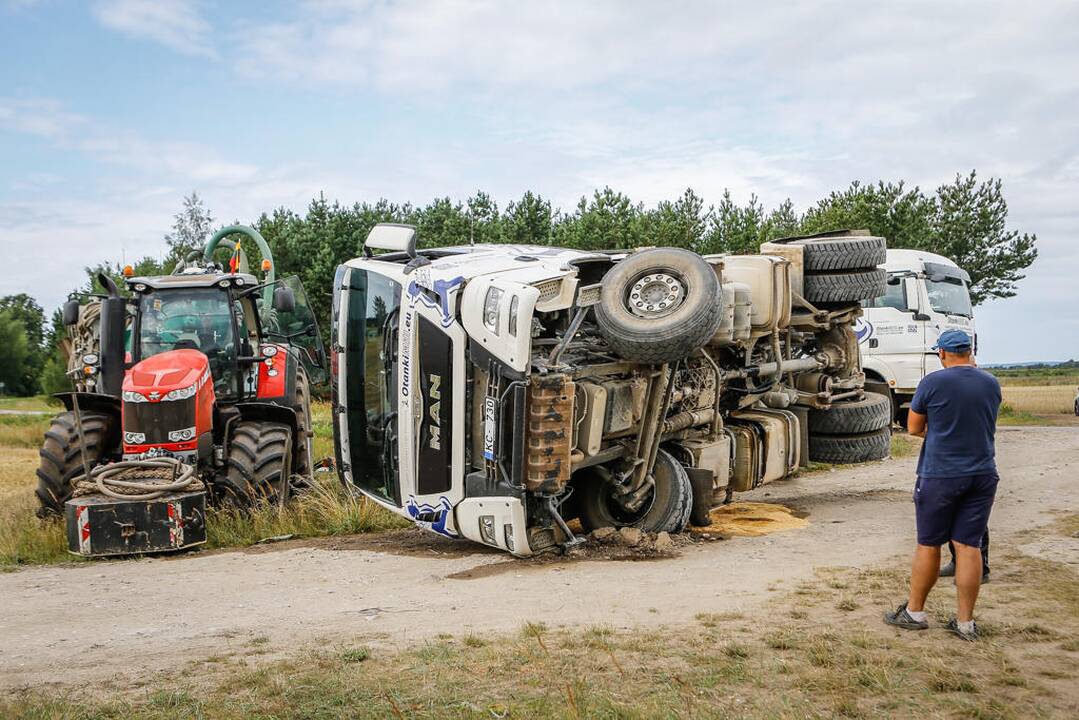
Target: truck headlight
{"x":182,"y":435}
{"x":487,"y":529}
{"x":490,"y":309}
{"x":180,"y":393}
{"x":133,"y":397}
{"x":134,"y":438}
{"x":513,"y":316}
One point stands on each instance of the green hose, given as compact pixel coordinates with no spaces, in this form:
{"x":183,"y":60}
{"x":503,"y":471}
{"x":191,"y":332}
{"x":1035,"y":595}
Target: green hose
{"x":263,"y":246}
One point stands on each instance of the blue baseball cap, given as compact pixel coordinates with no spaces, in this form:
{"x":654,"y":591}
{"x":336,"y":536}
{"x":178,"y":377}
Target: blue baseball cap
{"x":954,"y":341}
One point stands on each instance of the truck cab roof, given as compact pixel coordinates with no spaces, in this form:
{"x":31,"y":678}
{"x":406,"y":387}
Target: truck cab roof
{"x":525,"y":263}
{"x":914,"y":260}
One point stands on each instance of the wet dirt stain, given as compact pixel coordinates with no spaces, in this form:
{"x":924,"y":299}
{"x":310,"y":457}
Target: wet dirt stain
{"x":753,"y":519}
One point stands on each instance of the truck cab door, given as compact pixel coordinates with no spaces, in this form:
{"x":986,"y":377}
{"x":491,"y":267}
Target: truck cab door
{"x":890,"y":334}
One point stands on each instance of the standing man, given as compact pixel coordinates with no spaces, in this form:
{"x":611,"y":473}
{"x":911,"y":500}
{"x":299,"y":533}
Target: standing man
{"x":955,"y":410}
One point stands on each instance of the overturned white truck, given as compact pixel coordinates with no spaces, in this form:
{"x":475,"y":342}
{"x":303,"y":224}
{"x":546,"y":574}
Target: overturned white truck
{"x":497,"y":392}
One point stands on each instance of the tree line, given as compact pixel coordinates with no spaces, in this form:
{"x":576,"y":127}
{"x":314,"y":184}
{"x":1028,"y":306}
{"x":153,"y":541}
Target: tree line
{"x":965,"y":220}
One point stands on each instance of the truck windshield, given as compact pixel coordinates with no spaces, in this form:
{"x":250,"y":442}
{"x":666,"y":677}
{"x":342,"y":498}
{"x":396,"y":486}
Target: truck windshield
{"x":196,"y":319}
{"x":949,"y":296}
{"x":376,"y":452}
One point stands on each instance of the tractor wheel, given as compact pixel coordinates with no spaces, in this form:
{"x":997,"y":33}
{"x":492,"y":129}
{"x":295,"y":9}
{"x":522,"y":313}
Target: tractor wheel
{"x":303,"y":464}
{"x":667,"y":509}
{"x":61,"y":456}
{"x":259,"y":461}
{"x":659,"y":305}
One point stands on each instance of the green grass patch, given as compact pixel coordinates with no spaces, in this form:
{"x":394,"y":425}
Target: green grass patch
{"x":45,"y":403}
{"x":1010,"y":416}
{"x":23,"y":431}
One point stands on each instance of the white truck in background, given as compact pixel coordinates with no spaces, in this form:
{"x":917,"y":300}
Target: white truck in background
{"x":926,"y":295}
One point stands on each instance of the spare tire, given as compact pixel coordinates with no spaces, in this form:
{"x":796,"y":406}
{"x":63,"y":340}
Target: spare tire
{"x":842,"y":253}
{"x":843,"y":449}
{"x":659,"y":305}
{"x":871,"y":413}
{"x":845,"y":287}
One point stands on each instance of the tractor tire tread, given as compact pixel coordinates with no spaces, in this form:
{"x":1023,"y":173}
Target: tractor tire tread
{"x":61,"y":456}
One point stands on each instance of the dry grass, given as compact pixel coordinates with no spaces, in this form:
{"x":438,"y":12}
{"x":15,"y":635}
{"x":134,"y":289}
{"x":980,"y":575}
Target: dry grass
{"x":1041,"y":399}
{"x":822,"y":664}
{"x":326,"y":509}
{"x":42,"y":403}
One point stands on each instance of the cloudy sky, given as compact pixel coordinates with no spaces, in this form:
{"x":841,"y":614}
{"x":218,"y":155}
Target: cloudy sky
{"x":112,"y":110}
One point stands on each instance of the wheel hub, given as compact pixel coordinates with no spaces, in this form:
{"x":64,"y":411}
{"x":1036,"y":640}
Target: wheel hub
{"x":655,"y":295}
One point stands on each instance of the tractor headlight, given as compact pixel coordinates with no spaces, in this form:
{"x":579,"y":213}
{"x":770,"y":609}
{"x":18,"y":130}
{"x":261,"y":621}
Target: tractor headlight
{"x":490,"y":309}
{"x":133,"y":397}
{"x":134,"y":438}
{"x":513,"y":316}
{"x":89,"y":359}
{"x":180,"y":393}
{"x":269,"y":350}
{"x":182,"y":435}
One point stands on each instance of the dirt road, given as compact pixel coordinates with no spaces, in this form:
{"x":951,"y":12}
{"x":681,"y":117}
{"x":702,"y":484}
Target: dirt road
{"x":122,"y":620}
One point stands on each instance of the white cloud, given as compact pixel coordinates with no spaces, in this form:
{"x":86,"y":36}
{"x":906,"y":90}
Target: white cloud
{"x":564,"y":97}
{"x":178,"y":24}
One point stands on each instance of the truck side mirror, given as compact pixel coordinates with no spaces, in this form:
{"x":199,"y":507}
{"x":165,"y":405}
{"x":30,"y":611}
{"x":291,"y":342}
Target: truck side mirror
{"x":71,"y":313}
{"x":284,"y":300}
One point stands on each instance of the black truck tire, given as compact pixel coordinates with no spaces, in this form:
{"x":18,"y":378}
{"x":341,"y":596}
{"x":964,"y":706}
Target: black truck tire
{"x":258,"y":464}
{"x":61,"y":456}
{"x":659,"y":305}
{"x":842,"y":253}
{"x":666,"y":511}
{"x":843,"y":449}
{"x":873,"y":412}
{"x":845,"y":287}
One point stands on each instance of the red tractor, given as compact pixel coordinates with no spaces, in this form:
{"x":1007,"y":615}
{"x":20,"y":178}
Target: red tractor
{"x":208,"y":366}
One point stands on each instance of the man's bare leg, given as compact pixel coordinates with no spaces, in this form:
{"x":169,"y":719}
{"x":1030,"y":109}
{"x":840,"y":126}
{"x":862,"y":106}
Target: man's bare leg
{"x":968,"y":579}
{"x":923,"y":575}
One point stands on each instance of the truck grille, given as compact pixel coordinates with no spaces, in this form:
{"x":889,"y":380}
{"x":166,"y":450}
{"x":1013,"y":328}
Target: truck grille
{"x":548,"y":289}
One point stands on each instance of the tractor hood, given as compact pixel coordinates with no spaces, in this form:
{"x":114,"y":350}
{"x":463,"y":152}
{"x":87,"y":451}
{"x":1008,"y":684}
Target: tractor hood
{"x":157,"y":376}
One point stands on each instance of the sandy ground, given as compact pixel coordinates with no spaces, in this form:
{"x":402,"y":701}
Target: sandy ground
{"x":123,"y":620}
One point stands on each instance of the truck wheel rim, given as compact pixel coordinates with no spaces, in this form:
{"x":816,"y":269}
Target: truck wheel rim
{"x":655,"y":295}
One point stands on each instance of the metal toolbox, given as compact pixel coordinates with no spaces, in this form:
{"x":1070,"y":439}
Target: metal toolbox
{"x":100,"y":526}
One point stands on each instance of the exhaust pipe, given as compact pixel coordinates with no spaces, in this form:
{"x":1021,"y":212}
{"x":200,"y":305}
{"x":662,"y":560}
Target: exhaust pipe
{"x":113,"y":312}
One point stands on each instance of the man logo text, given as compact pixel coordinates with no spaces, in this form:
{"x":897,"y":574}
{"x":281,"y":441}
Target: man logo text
{"x":434,"y":412}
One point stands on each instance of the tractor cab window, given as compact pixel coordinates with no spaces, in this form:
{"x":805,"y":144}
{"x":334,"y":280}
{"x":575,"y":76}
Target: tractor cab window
{"x":296,"y":327}
{"x":196,"y":319}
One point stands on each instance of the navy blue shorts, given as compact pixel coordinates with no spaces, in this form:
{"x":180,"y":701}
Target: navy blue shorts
{"x":955,"y":508}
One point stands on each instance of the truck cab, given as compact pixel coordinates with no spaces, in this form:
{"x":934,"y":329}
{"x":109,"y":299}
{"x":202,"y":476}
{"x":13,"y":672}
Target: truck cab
{"x":926,"y":294}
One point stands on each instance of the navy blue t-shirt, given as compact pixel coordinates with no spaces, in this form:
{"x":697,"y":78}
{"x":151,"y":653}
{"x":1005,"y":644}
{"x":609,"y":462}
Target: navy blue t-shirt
{"x":960,"y":404}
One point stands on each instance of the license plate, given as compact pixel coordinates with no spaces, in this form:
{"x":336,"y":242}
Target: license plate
{"x":490,"y":412}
